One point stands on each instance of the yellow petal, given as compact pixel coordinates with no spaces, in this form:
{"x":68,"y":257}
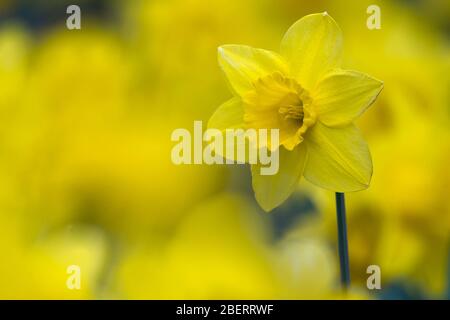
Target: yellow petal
{"x":342,"y":96}
{"x":243,"y":65}
{"x":312,"y":46}
{"x":272,"y":190}
{"x":230,"y":115}
{"x":338,"y":158}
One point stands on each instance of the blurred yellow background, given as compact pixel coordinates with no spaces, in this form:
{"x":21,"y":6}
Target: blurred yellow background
{"x":86,"y":177}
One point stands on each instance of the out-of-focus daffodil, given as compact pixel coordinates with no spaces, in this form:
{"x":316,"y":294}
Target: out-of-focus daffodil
{"x":313,"y":103}
{"x":79,"y":114}
{"x":307,"y":261}
{"x":309,"y":265}
{"x":216,"y":253}
{"x":39,"y":270}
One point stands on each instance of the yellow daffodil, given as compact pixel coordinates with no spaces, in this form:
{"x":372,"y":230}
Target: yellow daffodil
{"x":303,"y":93}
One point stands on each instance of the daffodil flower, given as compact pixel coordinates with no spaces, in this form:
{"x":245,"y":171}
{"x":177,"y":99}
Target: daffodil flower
{"x":304,"y":94}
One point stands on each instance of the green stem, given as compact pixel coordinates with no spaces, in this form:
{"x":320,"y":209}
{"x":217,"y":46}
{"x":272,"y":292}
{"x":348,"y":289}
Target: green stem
{"x":342,"y":240}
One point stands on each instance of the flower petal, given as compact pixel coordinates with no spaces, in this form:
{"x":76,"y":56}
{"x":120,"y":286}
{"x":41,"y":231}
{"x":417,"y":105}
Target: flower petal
{"x":342,"y":96}
{"x":338,"y":158}
{"x":272,"y":190}
{"x":230,"y":115}
{"x":312,"y":46}
{"x":243,"y":65}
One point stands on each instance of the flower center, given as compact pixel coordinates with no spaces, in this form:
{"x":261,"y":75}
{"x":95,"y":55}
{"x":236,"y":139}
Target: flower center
{"x":278,"y":102}
{"x":292,"y":111}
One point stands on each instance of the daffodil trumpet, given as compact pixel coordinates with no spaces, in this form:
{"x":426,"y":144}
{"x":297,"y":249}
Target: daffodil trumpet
{"x":303,"y":92}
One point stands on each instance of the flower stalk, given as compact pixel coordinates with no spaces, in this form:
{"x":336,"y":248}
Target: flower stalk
{"x":342,"y":240}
